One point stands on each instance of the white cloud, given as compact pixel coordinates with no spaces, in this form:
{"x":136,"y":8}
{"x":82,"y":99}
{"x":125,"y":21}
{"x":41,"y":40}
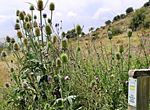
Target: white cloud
{"x":99,"y":13}
{"x":71,"y":14}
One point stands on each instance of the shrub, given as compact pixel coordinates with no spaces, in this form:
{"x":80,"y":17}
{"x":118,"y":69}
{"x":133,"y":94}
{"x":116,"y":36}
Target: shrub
{"x":138,"y":20}
{"x":116,"y":31}
{"x":147,"y":4}
{"x":116,"y":18}
{"x":146,"y":24}
{"x":108,"y":22}
{"x":122,"y":16}
{"x":129,"y":10}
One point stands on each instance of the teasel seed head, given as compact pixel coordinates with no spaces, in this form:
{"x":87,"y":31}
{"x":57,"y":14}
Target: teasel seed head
{"x":21,"y":15}
{"x":17,"y":13}
{"x":17,"y":20}
{"x":37,"y":31}
{"x":52,"y":6}
{"x":25,"y":41}
{"x":78,"y":30}
{"x":40,"y":5}
{"x":19,"y":34}
{"x":26,"y":18}
{"x":129,"y":32}
{"x":44,"y":15}
{"x":12,"y":40}
{"x":64,"y":44}
{"x":3,"y":54}
{"x":28,"y":25}
{"x":16,"y":47}
{"x":54,"y":39}
{"x":49,"y":20}
{"x":30,"y":17}
{"x":8,"y":39}
{"x":48,"y":30}
{"x":35,"y":24}
{"x":31,"y":7}
{"x":35,"y":17}
{"x":109,"y":35}
{"x":58,"y":62}
{"x":64,"y":58}
{"x":17,"y":26}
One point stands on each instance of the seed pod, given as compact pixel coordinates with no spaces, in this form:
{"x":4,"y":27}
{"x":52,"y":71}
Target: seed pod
{"x":48,"y":30}
{"x":49,"y":20}
{"x":12,"y":40}
{"x":64,"y":44}
{"x":8,"y":39}
{"x":17,"y":26}
{"x":64,"y":58}
{"x":129,"y":32}
{"x":21,"y":16}
{"x":37,"y":31}
{"x":16,"y":47}
{"x":30,"y":17}
{"x":78,"y":30}
{"x":52,"y":6}
{"x":3,"y":54}
{"x":44,"y":15}
{"x":54,"y":39}
{"x":58,"y":62}
{"x":27,"y":19}
{"x":40,"y":5}
{"x":31,"y":7}
{"x":17,"y":13}
{"x":35,"y":24}
{"x":109,"y":35}
{"x":35,"y":17}
{"x":17,"y":20}
{"x":28,"y":25}
{"x":19,"y":34}
{"x":25,"y":41}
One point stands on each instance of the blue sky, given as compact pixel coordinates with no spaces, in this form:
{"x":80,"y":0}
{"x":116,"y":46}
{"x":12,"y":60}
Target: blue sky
{"x":90,"y":13}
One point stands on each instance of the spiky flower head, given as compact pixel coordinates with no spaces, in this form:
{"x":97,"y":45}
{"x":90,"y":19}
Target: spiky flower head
{"x":31,"y":7}
{"x":129,"y":32}
{"x":64,"y":44}
{"x":25,"y":41}
{"x":64,"y":58}
{"x":26,"y":18}
{"x":16,"y":47}
{"x":63,"y":34}
{"x":8,"y":39}
{"x":48,"y":30}
{"x":44,"y":15}
{"x":28,"y":25}
{"x":21,"y":16}
{"x":78,"y":29}
{"x":3,"y":54}
{"x":19,"y":34}
{"x":12,"y":40}
{"x":52,"y":6}
{"x":40,"y":5}
{"x":37,"y":31}
{"x":30,"y":17}
{"x":58,"y":62}
{"x":54,"y":39}
{"x":110,"y":35}
{"x":17,"y":26}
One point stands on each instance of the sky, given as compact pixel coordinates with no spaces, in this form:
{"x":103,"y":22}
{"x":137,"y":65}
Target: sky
{"x":90,"y":13}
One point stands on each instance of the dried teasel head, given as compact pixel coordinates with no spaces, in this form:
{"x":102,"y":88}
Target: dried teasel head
{"x":40,"y":5}
{"x":52,"y":6}
{"x":78,"y":29}
{"x":25,"y":41}
{"x":17,"y":13}
{"x":49,"y":20}
{"x":129,"y":32}
{"x":3,"y":54}
{"x":21,"y":15}
{"x":16,"y":47}
{"x":26,"y":19}
{"x":28,"y":25}
{"x":64,"y":44}
{"x":37,"y":31}
{"x":35,"y":24}
{"x":31,"y":7}
{"x":17,"y":26}
{"x":54,"y":39}
{"x":12,"y":40}
{"x":30,"y":17}
{"x":19,"y":34}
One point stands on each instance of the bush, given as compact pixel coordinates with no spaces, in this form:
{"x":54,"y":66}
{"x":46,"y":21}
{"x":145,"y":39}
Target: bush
{"x":122,"y":16}
{"x":147,"y":4}
{"x":146,"y":24}
{"x":116,"y":31}
{"x":138,"y":20}
{"x":116,"y":18}
{"x":108,"y":22}
{"x":129,"y":10}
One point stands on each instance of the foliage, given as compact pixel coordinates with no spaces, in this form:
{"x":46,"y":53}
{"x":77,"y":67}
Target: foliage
{"x":147,"y":4}
{"x":116,"y":31}
{"x":107,"y":22}
{"x":122,"y":16}
{"x":116,"y":18}
{"x":129,"y":10}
